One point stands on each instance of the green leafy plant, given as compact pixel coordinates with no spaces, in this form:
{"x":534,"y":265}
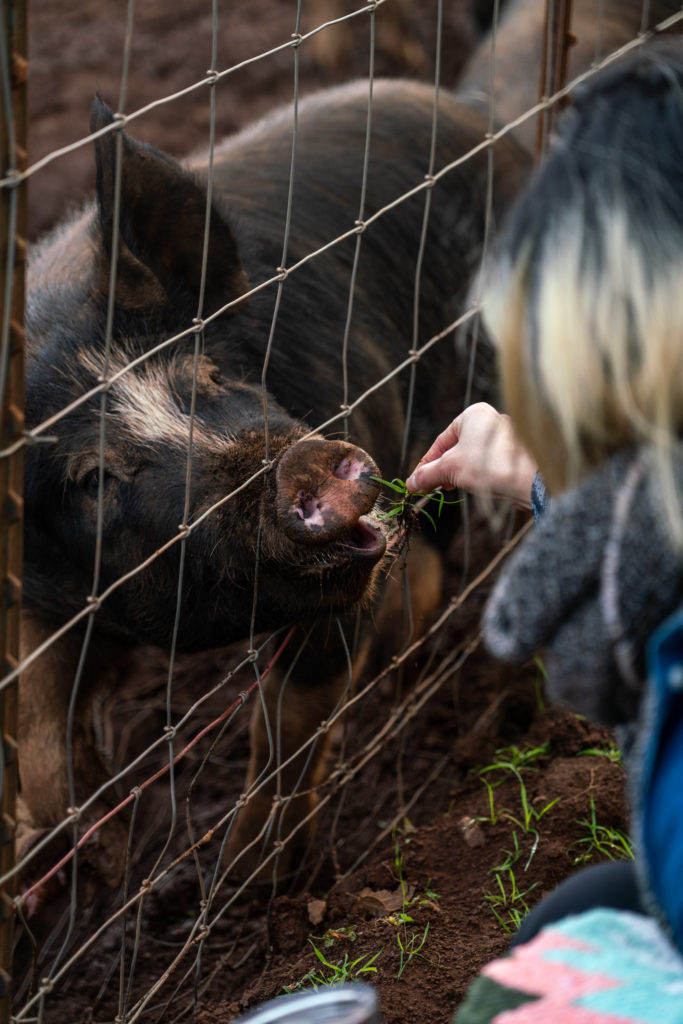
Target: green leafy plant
{"x":512,"y":761}
{"x":334,"y":973}
{"x":601,"y":840}
{"x":410,"y":946}
{"x":410,"y":503}
{"x":609,"y":751}
{"x":511,"y":857}
{"x":522,"y":757}
{"x":508,"y":902}
{"x":410,"y":942}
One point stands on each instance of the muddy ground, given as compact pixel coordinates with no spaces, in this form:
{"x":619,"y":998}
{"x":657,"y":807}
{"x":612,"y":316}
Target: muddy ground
{"x":420,"y":869}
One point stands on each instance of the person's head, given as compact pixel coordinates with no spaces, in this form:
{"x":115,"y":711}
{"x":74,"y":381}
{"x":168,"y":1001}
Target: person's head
{"x":585,"y":297}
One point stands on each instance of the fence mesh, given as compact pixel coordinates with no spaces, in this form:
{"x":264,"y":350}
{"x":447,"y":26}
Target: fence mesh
{"x":158,"y":716}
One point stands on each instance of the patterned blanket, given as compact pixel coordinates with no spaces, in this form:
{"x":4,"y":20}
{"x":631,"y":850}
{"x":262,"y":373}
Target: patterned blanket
{"x":601,"y":967}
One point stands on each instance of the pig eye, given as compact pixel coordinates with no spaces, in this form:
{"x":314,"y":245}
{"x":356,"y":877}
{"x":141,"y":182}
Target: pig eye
{"x":89,"y":484}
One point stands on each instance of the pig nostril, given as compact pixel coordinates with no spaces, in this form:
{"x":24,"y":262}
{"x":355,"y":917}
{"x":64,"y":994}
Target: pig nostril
{"x":348,"y":469}
{"x":309,"y":506}
{"x":309,"y":510}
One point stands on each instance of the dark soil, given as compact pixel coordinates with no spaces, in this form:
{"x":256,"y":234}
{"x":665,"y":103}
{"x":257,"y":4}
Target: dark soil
{"x":76,"y":49}
{"x":413,"y":831}
{"x":415,"y":819}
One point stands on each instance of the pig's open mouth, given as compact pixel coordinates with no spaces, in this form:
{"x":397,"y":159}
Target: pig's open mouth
{"x":361,"y":546}
{"x":365,"y":539}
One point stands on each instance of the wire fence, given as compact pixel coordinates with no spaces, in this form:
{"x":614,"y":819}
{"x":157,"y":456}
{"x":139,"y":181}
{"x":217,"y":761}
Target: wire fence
{"x":308,"y":286}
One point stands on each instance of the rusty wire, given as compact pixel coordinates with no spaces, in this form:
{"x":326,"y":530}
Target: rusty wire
{"x":13,"y":220}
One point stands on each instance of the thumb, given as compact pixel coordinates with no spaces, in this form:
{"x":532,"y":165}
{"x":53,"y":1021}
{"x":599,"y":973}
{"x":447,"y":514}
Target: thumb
{"x":414,"y":481}
{"x":426,"y":477}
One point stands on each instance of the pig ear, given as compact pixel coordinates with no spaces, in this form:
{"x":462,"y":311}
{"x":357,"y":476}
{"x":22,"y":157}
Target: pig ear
{"x":161,"y":225}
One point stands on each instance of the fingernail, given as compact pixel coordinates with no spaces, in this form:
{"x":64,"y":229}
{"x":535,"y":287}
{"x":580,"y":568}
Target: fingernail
{"x":411,"y":482}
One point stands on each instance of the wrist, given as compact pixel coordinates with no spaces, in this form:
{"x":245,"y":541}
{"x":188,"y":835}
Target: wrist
{"x":520,"y":478}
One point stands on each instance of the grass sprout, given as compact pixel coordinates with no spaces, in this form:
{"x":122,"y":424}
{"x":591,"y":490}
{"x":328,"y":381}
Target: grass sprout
{"x":508,"y":901}
{"x":609,"y":751}
{"x":511,"y":857}
{"x":410,"y":942}
{"x":601,"y":840}
{"x":411,"y":948}
{"x":412,"y":503}
{"x":512,"y":761}
{"x":337,"y":973}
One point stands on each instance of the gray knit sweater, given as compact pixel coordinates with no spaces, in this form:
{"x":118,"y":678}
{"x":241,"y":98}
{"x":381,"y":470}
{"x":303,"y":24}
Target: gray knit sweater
{"x":593,"y":579}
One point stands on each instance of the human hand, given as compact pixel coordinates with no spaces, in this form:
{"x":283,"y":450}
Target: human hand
{"x":479,"y":453}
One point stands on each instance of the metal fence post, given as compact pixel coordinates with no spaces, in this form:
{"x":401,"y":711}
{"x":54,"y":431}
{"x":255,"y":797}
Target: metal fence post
{"x":13,"y":209}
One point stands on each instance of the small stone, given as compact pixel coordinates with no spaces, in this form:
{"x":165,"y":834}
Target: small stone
{"x":316,"y":911}
{"x":472,"y":831}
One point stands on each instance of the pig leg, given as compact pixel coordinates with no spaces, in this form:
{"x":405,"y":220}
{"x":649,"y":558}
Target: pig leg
{"x":44,"y":695}
{"x":398,"y":624}
{"x":294,"y":707}
{"x":308,"y":698}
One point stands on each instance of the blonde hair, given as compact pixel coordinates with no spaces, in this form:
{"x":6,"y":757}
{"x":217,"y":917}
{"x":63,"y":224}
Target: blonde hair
{"x":585,"y":297}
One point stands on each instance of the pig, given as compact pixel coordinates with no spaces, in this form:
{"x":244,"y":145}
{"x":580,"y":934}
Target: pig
{"x":278,"y":514}
{"x":299,"y":539}
{"x":597,"y":28}
{"x":303,"y":511}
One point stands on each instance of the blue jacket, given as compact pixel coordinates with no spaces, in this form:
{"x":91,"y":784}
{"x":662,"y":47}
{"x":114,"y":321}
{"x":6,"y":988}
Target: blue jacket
{"x":658,"y":785}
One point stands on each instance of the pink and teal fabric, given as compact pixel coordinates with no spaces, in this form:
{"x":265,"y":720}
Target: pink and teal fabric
{"x":601,"y":967}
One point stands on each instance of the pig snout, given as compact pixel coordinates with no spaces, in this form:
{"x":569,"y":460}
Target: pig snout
{"x":324,"y":490}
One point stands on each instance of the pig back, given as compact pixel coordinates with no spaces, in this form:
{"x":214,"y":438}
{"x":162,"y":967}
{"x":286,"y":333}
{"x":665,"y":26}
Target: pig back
{"x":387,"y":321}
{"x":597,"y":27}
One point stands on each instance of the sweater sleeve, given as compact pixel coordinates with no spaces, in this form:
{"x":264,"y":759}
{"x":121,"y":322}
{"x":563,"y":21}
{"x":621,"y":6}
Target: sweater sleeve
{"x":540,"y":498}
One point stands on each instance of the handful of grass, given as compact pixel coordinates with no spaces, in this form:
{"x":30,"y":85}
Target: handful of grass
{"x":409,"y":504}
